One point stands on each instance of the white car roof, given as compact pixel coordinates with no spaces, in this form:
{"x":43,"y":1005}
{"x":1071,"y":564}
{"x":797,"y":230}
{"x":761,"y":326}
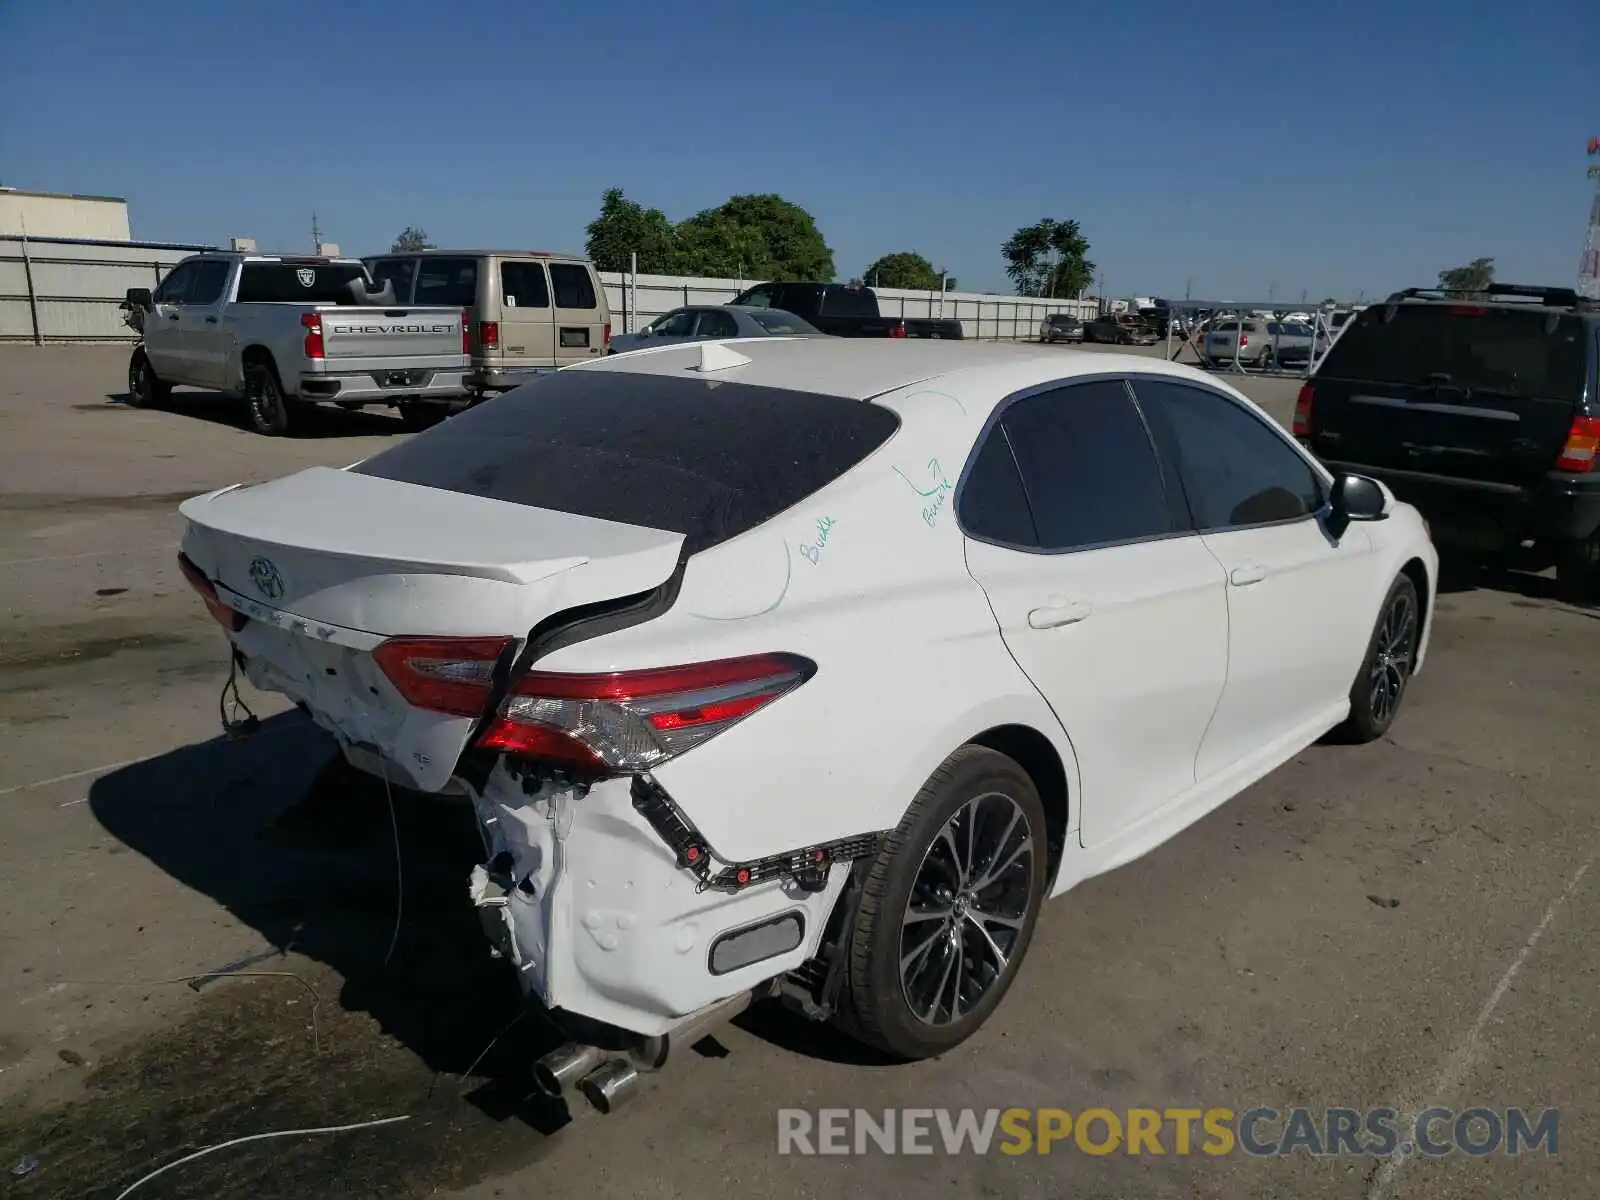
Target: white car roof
{"x":862,"y":368}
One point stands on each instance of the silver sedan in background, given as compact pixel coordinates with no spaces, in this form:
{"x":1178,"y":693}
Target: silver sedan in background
{"x":703,"y":322}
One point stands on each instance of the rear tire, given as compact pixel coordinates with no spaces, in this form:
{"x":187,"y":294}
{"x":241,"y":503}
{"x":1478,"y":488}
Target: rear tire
{"x":265,"y":402}
{"x":1391,"y":656}
{"x":1578,"y":567}
{"x":417,"y":415}
{"x":948,"y":908}
{"x":145,"y":390}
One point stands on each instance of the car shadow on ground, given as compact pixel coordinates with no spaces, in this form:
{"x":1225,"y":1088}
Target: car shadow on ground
{"x":1538,"y":589}
{"x":310,"y":421}
{"x":289,"y":840}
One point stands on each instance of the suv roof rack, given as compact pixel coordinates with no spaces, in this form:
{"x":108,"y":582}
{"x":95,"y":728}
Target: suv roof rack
{"x":1553,"y":297}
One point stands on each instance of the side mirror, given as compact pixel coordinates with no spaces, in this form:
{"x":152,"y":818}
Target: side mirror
{"x":140,"y":298}
{"x":1354,"y":498}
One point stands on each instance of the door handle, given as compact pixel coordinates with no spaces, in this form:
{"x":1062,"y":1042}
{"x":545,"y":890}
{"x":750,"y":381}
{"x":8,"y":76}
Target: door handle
{"x":1247,"y":573}
{"x":1059,"y":612}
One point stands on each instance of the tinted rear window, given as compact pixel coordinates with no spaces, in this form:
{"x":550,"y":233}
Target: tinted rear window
{"x":1531,"y":353}
{"x":840,"y":301}
{"x":305,"y":283}
{"x":708,"y":460}
{"x":452,"y":281}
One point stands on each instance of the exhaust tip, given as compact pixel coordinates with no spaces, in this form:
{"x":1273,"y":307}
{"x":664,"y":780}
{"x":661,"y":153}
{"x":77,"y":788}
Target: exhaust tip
{"x":612,"y":1086}
{"x":560,"y":1069}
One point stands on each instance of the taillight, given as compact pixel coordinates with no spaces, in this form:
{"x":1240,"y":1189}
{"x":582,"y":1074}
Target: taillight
{"x":607,"y":341}
{"x":634,"y":720}
{"x":1583,"y":443}
{"x":1302,"y":412}
{"x":489,"y":335}
{"x":466,"y":332}
{"x":898,"y":329}
{"x":1244,"y":340}
{"x":442,"y":675}
{"x":220,"y":612}
{"x":313,"y":327}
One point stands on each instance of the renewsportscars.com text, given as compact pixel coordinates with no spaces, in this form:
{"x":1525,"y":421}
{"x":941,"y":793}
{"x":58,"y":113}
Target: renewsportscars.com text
{"x":1258,"y":1132}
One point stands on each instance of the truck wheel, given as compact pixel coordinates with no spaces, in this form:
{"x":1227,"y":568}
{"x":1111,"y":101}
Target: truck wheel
{"x":948,"y":908}
{"x":1578,"y":567}
{"x":144,"y":389}
{"x":264,"y":399}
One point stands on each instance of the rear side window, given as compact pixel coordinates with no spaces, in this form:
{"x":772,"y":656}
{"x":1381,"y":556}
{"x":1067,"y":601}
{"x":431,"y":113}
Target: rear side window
{"x":1088,"y":466}
{"x":300,"y":283}
{"x":705,"y":459}
{"x":522,"y":285}
{"x":992,"y":505}
{"x":1520,"y":353}
{"x":573,"y":286}
{"x":449,"y":281}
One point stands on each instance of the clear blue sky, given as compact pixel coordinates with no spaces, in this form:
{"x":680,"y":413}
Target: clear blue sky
{"x":1333,"y":146}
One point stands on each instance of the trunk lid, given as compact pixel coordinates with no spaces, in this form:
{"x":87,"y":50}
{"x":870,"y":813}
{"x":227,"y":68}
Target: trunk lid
{"x":404,"y":332}
{"x":328,"y":564}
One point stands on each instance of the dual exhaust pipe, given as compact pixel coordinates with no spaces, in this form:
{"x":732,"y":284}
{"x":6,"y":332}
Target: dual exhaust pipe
{"x":608,"y":1079}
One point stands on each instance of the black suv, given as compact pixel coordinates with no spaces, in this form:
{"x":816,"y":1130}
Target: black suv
{"x":1483,"y":412}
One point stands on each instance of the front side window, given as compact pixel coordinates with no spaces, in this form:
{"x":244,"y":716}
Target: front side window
{"x":1091,"y":474}
{"x":175,"y":287}
{"x":1234,"y":468}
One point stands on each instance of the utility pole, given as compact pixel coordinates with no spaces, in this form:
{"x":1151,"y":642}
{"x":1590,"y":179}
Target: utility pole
{"x":316,"y":234}
{"x":1187,"y":287}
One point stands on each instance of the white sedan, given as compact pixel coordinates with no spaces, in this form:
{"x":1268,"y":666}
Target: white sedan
{"x":811,"y":667}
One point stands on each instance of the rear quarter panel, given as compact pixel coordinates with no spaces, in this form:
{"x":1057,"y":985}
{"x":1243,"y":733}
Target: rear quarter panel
{"x":867,"y":578}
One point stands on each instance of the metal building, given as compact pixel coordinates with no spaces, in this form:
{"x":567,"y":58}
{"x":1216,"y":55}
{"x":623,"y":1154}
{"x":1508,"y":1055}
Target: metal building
{"x":59,"y":215}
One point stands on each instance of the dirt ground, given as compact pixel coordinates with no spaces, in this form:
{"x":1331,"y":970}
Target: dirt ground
{"x":1407,"y":923}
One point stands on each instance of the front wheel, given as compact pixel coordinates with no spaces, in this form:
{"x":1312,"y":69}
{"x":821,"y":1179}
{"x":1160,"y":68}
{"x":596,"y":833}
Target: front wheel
{"x":145,"y":390}
{"x":948,"y":907}
{"x":1380,"y":685}
{"x":264,"y":399}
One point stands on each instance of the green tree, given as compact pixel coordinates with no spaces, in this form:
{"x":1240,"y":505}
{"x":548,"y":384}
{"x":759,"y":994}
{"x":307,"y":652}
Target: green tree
{"x":1476,"y":276}
{"x":907,"y":269}
{"x":1048,"y":259}
{"x":625,"y":228}
{"x":410,"y":238}
{"x":771,"y":237}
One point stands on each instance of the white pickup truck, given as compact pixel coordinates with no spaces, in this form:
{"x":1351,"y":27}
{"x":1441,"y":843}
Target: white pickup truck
{"x":284,"y":331}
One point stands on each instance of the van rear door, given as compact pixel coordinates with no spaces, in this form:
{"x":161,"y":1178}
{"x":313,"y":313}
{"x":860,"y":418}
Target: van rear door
{"x":582,"y":319}
{"x":527,"y":331}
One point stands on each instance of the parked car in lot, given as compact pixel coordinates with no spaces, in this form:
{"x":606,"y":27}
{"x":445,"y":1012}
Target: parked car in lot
{"x":694,"y":675}
{"x":1483,"y":414}
{"x":1247,"y":342}
{"x":1061,"y":327}
{"x":287,"y":331}
{"x":531,"y":312}
{"x":1124,"y":329}
{"x":702,"y":322}
{"x":1289,"y":343}
{"x":845,"y":310}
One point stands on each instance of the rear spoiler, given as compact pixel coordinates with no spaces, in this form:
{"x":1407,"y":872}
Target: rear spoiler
{"x":1551,"y":297}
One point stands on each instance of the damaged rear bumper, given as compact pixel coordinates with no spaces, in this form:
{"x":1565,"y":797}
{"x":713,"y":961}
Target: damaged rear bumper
{"x":600,"y":917}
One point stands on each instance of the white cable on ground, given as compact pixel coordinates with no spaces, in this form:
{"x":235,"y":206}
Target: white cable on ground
{"x":258,"y":1137}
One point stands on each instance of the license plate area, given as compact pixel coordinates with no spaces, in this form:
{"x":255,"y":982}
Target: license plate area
{"x":341,"y":685}
{"x":412,"y":378}
{"x":574,"y":339}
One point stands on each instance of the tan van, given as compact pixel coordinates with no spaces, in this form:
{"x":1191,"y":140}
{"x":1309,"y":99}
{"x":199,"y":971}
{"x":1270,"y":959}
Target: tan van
{"x":531,"y":311}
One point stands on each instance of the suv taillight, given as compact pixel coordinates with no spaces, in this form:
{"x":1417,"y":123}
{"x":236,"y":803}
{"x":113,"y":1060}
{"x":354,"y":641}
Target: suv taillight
{"x":897,"y":330}
{"x":315,"y":347}
{"x":605,"y":724}
{"x":1583,"y":443}
{"x":1302,"y":411}
{"x":1244,"y":340}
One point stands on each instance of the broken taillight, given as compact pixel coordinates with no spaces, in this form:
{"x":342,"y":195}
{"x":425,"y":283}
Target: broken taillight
{"x":228,"y":618}
{"x":442,"y":675}
{"x":634,"y":720}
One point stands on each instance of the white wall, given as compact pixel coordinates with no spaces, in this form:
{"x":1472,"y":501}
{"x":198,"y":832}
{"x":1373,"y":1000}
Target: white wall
{"x":989,"y":317}
{"x":39,"y":216}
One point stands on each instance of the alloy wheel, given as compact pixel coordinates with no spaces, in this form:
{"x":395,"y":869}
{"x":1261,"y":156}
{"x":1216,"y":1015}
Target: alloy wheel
{"x":967,"y":909}
{"x":1392,"y":663}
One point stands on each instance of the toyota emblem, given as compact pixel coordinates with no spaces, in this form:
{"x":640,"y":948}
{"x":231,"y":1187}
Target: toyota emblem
{"x":264,"y":574}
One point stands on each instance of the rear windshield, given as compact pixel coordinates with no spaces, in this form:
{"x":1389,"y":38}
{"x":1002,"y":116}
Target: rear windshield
{"x":775,"y":320}
{"x":707,"y":460}
{"x":1526,"y":353}
{"x":300,"y":283}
